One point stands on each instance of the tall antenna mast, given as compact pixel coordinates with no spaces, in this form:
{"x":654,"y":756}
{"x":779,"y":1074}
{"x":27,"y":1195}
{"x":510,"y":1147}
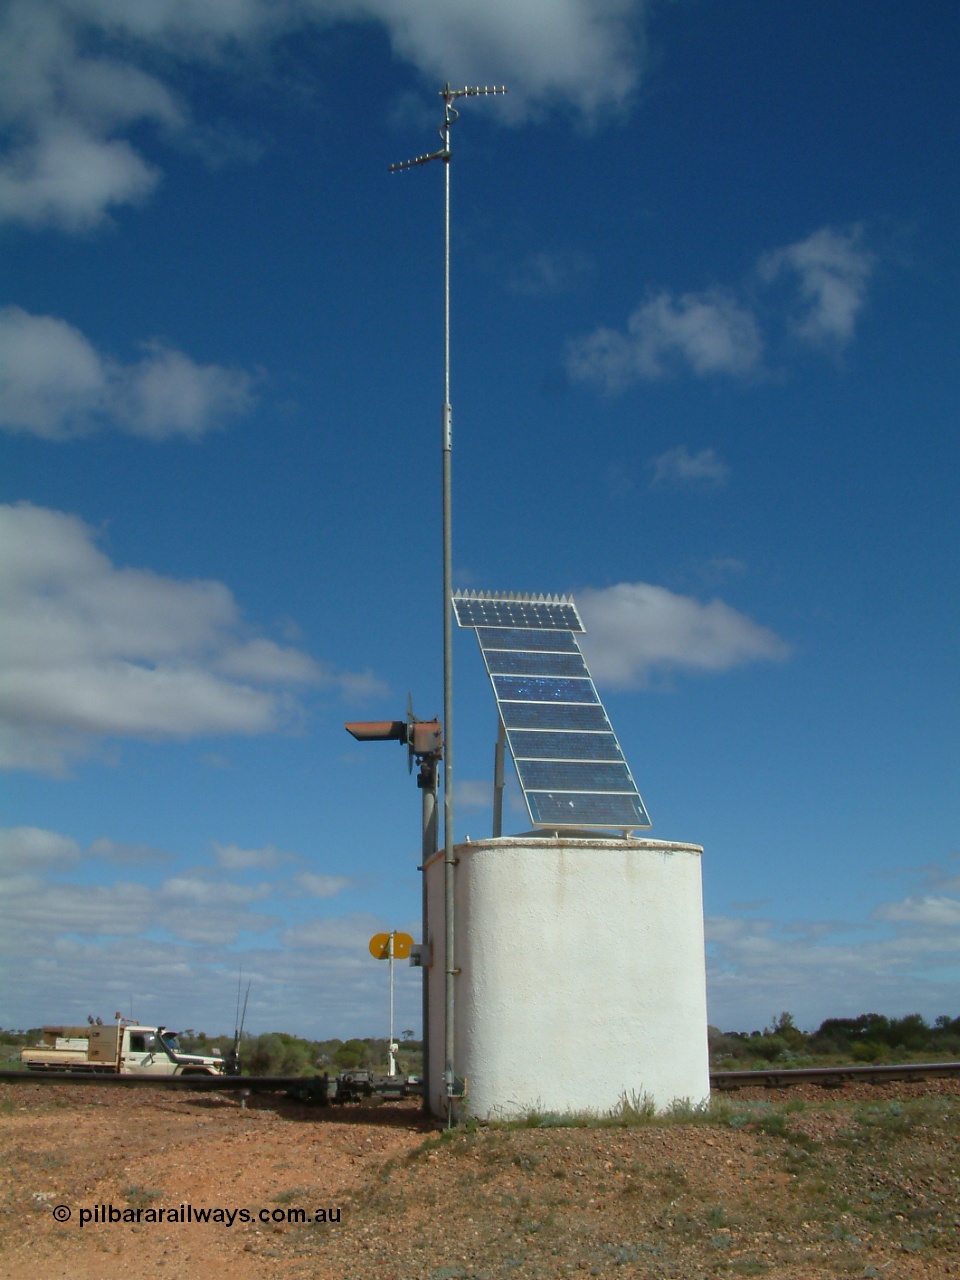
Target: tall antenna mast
{"x":450,"y":114}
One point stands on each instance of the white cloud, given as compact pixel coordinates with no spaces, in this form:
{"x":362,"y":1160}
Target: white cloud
{"x":930,"y":911}
{"x":635,"y":629}
{"x":125,"y":853}
{"x":33,"y":849}
{"x":712,"y":333}
{"x":320,"y":886}
{"x":349,"y":933}
{"x":832,"y":269}
{"x":724,"y":567}
{"x":34,"y":911}
{"x":66,"y":110}
{"x":68,"y":179}
{"x":196,"y":890}
{"x":33,"y":908}
{"x":680,"y":467}
{"x":37,"y":904}
{"x":709,"y":333}
{"x":92,"y":650}
{"x":232,"y":858}
{"x":819,"y":969}
{"x":547,"y":274}
{"x":194,"y":984}
{"x":474,"y":794}
{"x":358,"y":685}
{"x":72,"y":948}
{"x":582,"y":52}
{"x":56,"y":385}
{"x":62,"y":108}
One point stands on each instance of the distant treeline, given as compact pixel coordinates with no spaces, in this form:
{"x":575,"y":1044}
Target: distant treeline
{"x":275,"y":1053}
{"x":871,"y":1037}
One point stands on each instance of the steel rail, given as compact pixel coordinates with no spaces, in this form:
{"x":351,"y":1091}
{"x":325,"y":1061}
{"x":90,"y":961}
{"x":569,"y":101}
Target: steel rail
{"x":198,"y":1083}
{"x":832,"y":1077}
{"x":770,"y":1078}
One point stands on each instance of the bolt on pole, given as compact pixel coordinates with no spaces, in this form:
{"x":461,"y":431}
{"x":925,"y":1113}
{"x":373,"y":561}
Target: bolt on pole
{"x":450,"y":114}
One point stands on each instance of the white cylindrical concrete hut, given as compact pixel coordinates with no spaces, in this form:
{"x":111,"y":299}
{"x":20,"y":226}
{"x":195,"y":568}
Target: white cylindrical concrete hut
{"x":581,"y":974}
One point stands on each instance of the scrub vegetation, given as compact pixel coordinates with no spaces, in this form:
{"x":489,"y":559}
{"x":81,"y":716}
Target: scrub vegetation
{"x":871,"y":1037}
{"x":274,"y":1053}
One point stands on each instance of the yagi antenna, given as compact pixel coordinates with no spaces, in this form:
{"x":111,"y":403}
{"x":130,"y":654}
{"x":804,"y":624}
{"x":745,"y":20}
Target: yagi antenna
{"x":454,"y":1088}
{"x":450,"y":114}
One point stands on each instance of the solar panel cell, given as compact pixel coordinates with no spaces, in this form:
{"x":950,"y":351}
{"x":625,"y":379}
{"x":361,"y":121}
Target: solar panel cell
{"x":563,"y":809}
{"x":574,"y":775}
{"x":538,"y":715}
{"x":515,"y":638}
{"x":512,"y":662}
{"x":543,"y":689}
{"x":538,"y":744}
{"x":500,"y":612}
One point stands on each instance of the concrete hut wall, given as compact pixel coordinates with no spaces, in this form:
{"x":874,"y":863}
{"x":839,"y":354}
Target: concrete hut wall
{"x":582,"y":974}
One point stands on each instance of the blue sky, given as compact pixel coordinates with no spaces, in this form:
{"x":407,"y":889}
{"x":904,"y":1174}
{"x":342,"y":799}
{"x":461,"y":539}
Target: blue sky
{"x":705,"y":377}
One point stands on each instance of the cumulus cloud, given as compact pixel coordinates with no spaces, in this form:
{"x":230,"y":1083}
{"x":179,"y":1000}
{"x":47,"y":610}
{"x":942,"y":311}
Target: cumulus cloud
{"x":320,"y":886}
{"x":832,"y":270}
{"x":93,"y":651}
{"x":708,"y":333}
{"x":712,"y":333}
{"x":934,"y":911}
{"x":32,"y":848}
{"x":74,"y":941}
{"x":194,"y":984}
{"x":39,"y":903}
{"x":232,"y":858}
{"x":66,"y":109}
{"x":56,"y":385}
{"x":127,"y":853}
{"x":635,"y":629}
{"x":35,"y":910}
{"x":680,"y":467}
{"x":585,"y":53}
{"x":830,"y":968}
{"x":62,"y":109}
{"x":348,"y":933}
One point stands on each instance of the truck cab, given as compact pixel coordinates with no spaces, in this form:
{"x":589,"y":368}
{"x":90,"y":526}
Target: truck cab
{"x":144,"y":1053}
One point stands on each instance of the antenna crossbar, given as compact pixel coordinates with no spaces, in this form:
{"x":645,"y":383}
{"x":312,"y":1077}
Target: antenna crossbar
{"x":442,"y":154}
{"x":449,"y":96}
{"x":472,"y":91}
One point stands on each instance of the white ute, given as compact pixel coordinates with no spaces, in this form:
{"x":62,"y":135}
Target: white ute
{"x":122,"y":1049}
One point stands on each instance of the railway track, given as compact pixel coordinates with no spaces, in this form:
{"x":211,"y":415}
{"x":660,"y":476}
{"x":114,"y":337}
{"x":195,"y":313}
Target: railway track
{"x":833,"y":1077}
{"x":318,"y":1088}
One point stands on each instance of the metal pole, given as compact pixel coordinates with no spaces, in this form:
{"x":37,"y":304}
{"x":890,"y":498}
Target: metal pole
{"x":430,"y":844}
{"x":391,"y":1070}
{"x":498,"y":756}
{"x":449,"y":96}
{"x":449,"y":862}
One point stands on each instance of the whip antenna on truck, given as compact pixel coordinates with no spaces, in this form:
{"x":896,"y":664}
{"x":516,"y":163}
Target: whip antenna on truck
{"x":233,"y":1062}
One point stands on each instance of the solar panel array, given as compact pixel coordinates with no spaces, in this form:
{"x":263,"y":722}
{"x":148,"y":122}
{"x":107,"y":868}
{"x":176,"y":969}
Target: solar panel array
{"x":571,"y":769}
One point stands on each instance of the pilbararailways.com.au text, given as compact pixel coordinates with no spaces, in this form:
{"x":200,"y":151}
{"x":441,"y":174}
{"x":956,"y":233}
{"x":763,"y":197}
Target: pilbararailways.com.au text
{"x":187,"y":1213}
